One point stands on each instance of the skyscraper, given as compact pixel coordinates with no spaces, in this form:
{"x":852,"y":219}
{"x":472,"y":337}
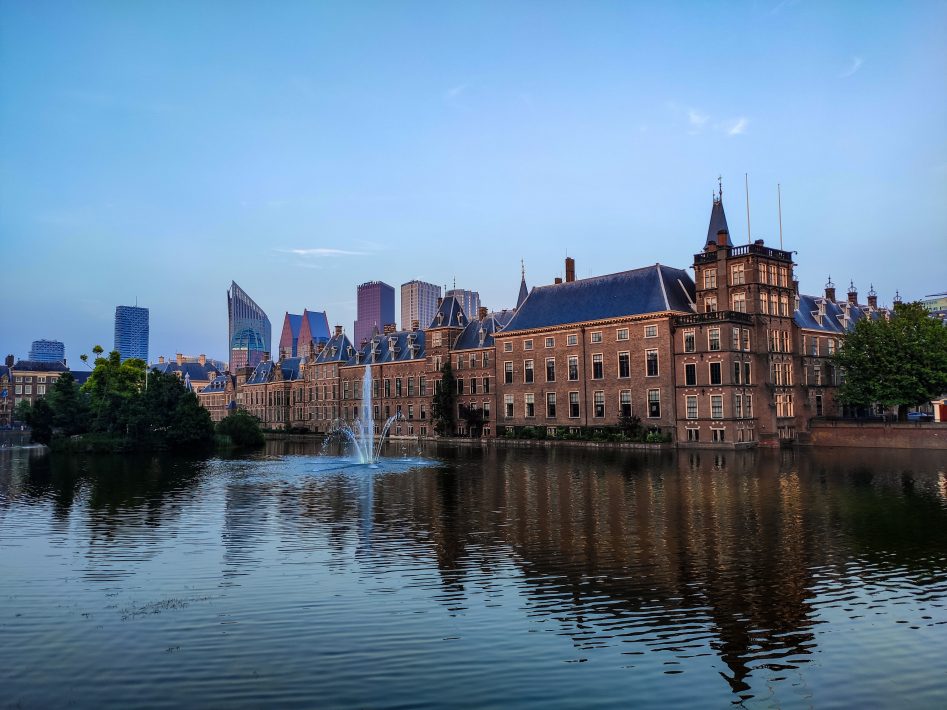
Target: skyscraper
{"x":376,"y":308}
{"x":418,"y":303}
{"x":47,"y":351}
{"x":249,"y":329}
{"x":131,"y":332}
{"x":468,"y":300}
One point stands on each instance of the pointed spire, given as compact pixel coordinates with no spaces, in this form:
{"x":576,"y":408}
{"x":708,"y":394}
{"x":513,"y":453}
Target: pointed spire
{"x":524,"y":291}
{"x":718,"y":220}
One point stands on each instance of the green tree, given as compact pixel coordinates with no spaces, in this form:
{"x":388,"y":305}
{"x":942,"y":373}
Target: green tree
{"x":900,"y":362}
{"x":112,"y":388}
{"x":69,"y":405}
{"x":40,"y":420}
{"x":444,"y":410}
{"x":242,"y":428}
{"x":23,"y":411}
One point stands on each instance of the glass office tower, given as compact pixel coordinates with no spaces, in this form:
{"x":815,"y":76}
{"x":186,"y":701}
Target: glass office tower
{"x":131,"y":332}
{"x":250,"y":329}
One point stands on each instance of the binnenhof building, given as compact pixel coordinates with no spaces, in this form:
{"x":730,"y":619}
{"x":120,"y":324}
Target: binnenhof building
{"x":734,"y":357}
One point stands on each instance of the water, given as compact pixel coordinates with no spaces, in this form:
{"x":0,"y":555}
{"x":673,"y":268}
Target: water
{"x":475,"y":578}
{"x":360,"y":435}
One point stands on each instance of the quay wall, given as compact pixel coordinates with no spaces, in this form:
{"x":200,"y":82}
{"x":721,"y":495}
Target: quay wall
{"x":879,"y":435}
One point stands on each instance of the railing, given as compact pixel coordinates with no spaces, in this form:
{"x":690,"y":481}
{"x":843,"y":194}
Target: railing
{"x":714,"y":317}
{"x":742,"y":250}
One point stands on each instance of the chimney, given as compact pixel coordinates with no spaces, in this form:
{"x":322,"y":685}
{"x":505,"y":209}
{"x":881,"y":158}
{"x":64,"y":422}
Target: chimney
{"x":482,"y":313}
{"x":266,"y":357}
{"x":338,"y":330}
{"x":830,"y":290}
{"x":852,"y":293}
{"x":202,"y":359}
{"x":10,"y":360}
{"x":872,"y":298}
{"x":243,"y":374}
{"x":439,"y":301}
{"x":161,"y":359}
{"x":390,"y":328}
{"x":570,"y":269}
{"x":415,"y":325}
{"x":558,"y":280}
{"x":179,"y":358}
{"x":723,"y":236}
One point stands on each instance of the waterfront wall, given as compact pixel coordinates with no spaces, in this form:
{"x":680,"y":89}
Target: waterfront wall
{"x":879,"y":435}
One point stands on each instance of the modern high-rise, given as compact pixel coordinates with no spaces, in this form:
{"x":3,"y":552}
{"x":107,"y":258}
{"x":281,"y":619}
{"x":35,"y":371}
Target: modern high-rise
{"x":468,"y":300}
{"x":418,"y":303}
{"x":249,"y":329}
{"x":47,"y":351}
{"x":376,"y":309}
{"x":131,"y":332}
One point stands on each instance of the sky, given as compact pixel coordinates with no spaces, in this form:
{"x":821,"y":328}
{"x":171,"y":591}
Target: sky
{"x":153,"y":152}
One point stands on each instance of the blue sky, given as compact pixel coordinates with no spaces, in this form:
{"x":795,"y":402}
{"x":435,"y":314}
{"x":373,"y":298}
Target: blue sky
{"x":158,"y":150}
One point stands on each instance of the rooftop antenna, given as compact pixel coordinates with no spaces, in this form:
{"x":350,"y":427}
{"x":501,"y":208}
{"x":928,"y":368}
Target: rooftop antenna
{"x":746,"y":178}
{"x":779,"y":201}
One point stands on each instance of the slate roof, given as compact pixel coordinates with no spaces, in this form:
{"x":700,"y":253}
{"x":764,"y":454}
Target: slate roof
{"x":652,"y":289}
{"x":290,"y":367}
{"x":295,"y":320}
{"x":524,"y":292}
{"x":336,"y":350}
{"x":470,"y":338}
{"x":318,"y":325}
{"x":39,"y":366}
{"x":393,"y":347}
{"x":219,"y":383}
{"x":193,"y":370}
{"x":718,"y":221}
{"x":81,"y":376}
{"x":262,"y":373}
{"x":449,"y":314}
{"x":834,"y":318}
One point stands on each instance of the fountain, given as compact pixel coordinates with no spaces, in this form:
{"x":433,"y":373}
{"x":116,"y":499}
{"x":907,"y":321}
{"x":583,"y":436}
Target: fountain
{"x":361,"y":433}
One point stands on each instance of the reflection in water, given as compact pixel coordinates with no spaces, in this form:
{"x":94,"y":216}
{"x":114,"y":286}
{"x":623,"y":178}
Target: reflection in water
{"x":730,"y":571}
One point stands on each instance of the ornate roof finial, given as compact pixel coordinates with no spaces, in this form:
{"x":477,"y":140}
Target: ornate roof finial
{"x":523,"y":269}
{"x":871,"y":290}
{"x":720,"y":187}
{"x":897,"y":296}
{"x":851,"y":286}
{"x":829,"y":283}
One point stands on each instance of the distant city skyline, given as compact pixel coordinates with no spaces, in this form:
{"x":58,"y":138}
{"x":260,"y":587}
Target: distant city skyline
{"x":131,"y":332}
{"x":161,"y":151}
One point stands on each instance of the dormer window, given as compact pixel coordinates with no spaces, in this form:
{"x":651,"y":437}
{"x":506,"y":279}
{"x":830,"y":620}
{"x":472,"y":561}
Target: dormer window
{"x":440,"y":318}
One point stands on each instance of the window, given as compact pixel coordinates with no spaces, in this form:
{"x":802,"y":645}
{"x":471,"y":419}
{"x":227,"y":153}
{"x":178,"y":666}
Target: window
{"x":528,"y":371}
{"x":818,"y":405}
{"x":693,"y":434}
{"x":422,"y":386}
{"x":572,"y":339}
{"x":764,"y":303}
{"x":651,"y":331}
{"x":717,"y":434}
{"x":574,"y":405}
{"x":746,"y":373}
{"x":747,"y":406}
{"x":598,"y":371}
{"x":40,"y":389}
{"x":772,"y":274}
{"x":817,"y":374}
{"x":19,"y":388}
{"x":410,"y":386}
{"x":508,"y":372}
{"x":651,"y":361}
{"x":716,"y":406}
{"x":473,"y":385}
{"x":529,"y":400}
{"x":550,"y":369}
{"x":508,"y":403}
{"x":690,"y":374}
{"x":831,"y":346}
{"x":737,"y":275}
{"x":486,"y":385}
{"x":437,"y":340}
{"x":397,"y":387}
{"x":713,"y":339}
{"x":736,"y":373}
{"x":473,"y":360}
{"x":689,"y":341}
{"x":710,"y":304}
{"x":691,"y":400}
{"x":737,"y":406}
{"x":528,"y":344}
{"x":784,"y":405}
{"x":486,"y":359}
{"x":739,"y":302}
{"x":551,"y":405}
{"x":599,"y":400}
{"x":622,"y":334}
{"x":624,"y":365}
{"x":784,"y":305}
{"x":460,"y":362}
{"x":783,"y":276}
{"x":736,"y":339}
{"x":573,"y":367}
{"x":710,"y":278}
{"x":486,"y":409}
{"x":595,"y":338}
{"x":814,"y":343}
{"x":460,"y":385}
{"x":550,"y":342}
{"x":508,"y":346}
{"x":654,"y":403}
{"x":410,"y":411}
{"x":716,"y":376}
{"x":746,"y":339}
{"x":624,"y":403}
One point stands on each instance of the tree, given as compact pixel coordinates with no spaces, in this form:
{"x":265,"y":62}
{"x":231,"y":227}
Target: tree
{"x":444,"y":411}
{"x":242,"y":428}
{"x":900,"y":362}
{"x":474,"y":418}
{"x":111,"y":388}
{"x":40,"y":419}
{"x":69,"y":406}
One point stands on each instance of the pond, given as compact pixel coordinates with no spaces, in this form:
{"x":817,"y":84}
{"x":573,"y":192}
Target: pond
{"x":469,"y":577}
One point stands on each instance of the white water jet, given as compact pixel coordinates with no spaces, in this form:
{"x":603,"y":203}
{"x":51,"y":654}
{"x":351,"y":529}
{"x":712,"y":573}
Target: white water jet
{"x":361,"y":433}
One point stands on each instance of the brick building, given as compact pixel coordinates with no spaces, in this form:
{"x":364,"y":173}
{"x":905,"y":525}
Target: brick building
{"x":735,"y":357}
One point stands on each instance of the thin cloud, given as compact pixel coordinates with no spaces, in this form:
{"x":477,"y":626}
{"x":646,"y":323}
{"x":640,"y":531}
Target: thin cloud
{"x":738,"y":126}
{"x":696,"y":118}
{"x":454,"y":92}
{"x":321,"y":252}
{"x":782,"y":6}
{"x":853,"y":67}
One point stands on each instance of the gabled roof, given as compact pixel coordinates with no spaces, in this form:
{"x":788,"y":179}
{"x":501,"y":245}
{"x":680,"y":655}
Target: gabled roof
{"x":393,"y":347}
{"x":834,"y":314}
{"x":39,"y":366}
{"x":336,"y":350}
{"x":262,"y":373}
{"x":193,"y":370}
{"x":315,"y":326}
{"x":290,"y":368}
{"x":718,"y":222}
{"x":450,"y":314}
{"x":219,"y":383}
{"x":471,"y":338}
{"x":653,"y":289}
